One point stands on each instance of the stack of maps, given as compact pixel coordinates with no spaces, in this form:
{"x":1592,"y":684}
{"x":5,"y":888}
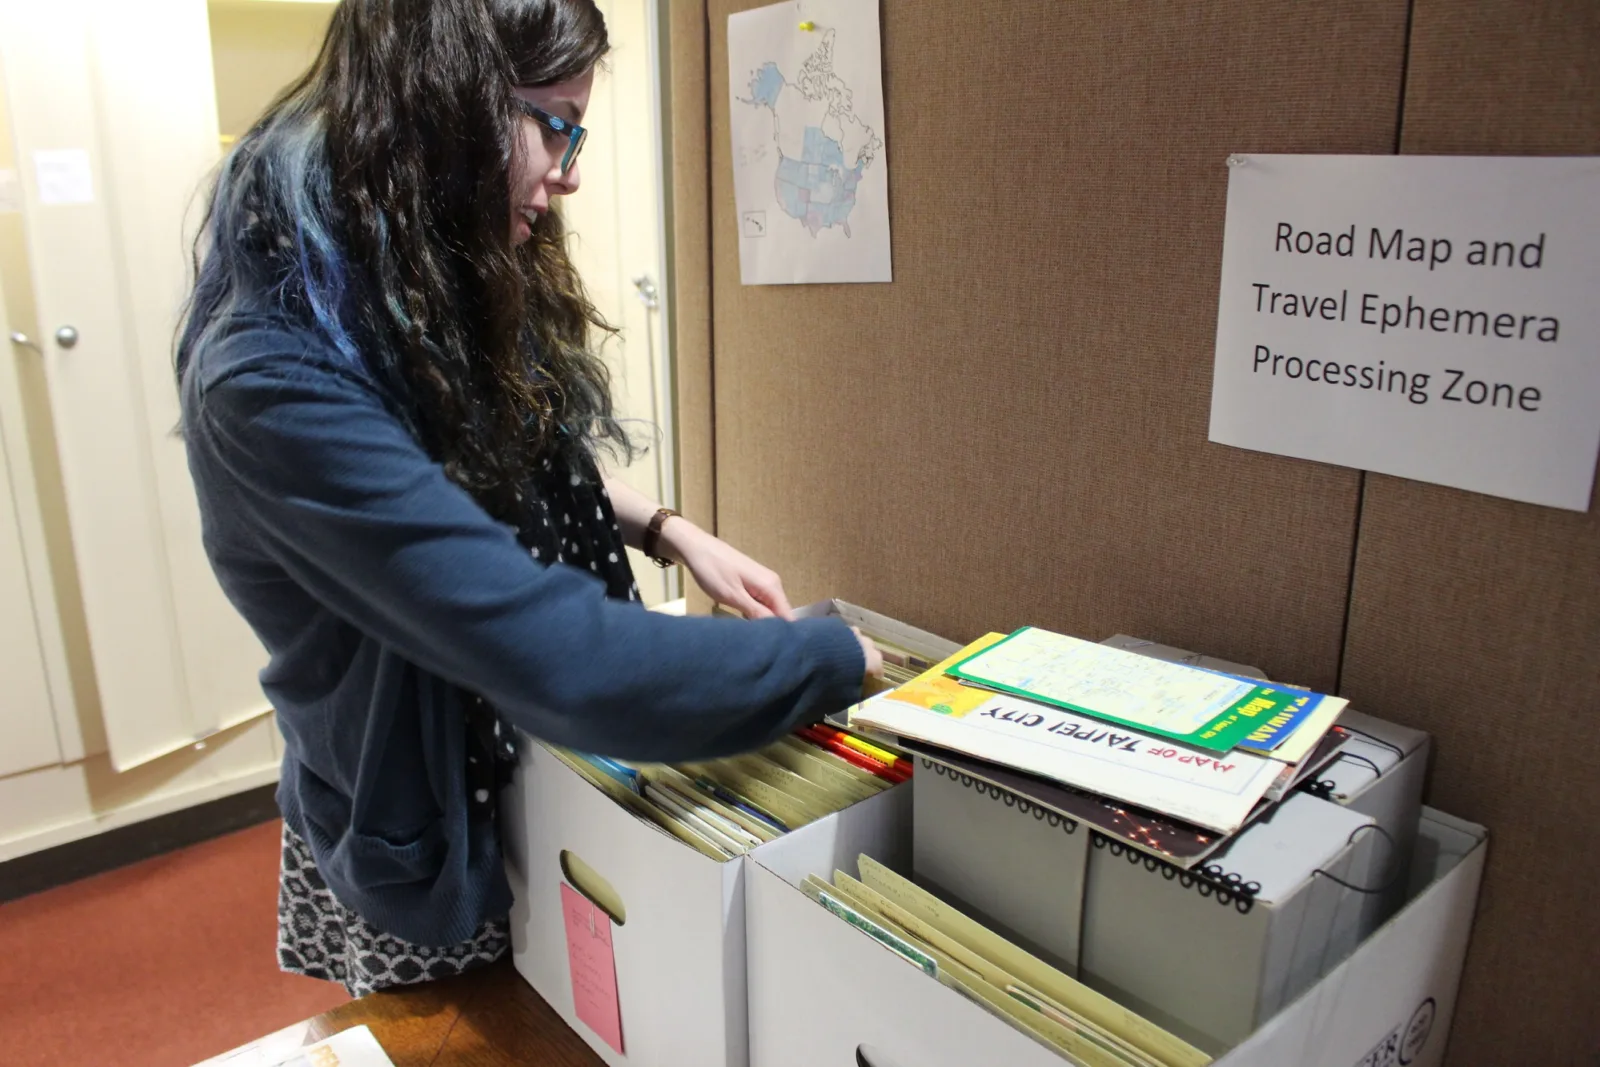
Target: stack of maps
{"x":1171,"y":758}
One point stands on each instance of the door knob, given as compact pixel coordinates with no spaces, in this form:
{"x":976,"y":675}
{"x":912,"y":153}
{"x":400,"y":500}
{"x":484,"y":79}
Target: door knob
{"x":646,"y":288}
{"x":67,"y":337}
{"x":20,"y":338}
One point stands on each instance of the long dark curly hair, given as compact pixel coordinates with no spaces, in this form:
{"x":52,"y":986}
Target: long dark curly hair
{"x":372,"y":200}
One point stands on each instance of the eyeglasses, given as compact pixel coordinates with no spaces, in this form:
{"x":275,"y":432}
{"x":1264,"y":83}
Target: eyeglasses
{"x":556,"y":128}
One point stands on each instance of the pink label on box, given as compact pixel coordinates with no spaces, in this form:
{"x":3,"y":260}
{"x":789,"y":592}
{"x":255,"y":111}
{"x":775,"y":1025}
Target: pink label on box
{"x":593,"y":965}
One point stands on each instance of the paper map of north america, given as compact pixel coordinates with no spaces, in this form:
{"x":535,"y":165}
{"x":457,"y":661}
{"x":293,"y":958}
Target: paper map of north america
{"x":824,"y":149}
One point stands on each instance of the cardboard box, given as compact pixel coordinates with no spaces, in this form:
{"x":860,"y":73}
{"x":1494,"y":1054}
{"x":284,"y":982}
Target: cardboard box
{"x":1015,"y":866}
{"x":1212,"y":965}
{"x":1380,"y":774}
{"x":1389,"y":1004}
{"x":928,"y":649}
{"x":680,"y":949}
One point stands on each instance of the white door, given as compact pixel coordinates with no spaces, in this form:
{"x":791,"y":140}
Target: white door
{"x":618,"y":248}
{"x":113,"y":112}
{"x":27,"y":711}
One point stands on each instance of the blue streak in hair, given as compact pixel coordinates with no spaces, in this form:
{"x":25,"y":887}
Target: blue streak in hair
{"x":276,"y":182}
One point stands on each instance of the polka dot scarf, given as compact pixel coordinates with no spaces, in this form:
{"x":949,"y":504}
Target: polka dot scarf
{"x":567,"y":521}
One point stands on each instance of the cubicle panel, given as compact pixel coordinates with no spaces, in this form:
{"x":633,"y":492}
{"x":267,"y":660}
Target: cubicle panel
{"x":1478,"y":619}
{"x":1014,"y":430}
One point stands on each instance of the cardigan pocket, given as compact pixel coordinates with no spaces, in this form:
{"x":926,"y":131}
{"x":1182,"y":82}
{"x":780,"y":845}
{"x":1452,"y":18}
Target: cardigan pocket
{"x":395,"y":859}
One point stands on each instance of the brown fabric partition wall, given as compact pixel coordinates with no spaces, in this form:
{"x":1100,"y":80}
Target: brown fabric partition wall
{"x":1014,"y":431}
{"x":1479,"y":619}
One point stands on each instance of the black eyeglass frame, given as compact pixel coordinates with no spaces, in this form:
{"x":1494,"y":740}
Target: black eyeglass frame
{"x":574,"y":133}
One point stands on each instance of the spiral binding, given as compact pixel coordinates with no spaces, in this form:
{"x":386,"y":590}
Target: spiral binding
{"x":1323,"y":790}
{"x":1208,"y":880}
{"x":1005,"y":796}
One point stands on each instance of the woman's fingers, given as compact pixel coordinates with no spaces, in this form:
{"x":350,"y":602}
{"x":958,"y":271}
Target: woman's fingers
{"x":770,"y":593}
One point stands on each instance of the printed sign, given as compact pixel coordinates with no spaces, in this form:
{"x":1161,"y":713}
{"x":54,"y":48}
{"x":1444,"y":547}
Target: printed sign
{"x":1430,"y":317}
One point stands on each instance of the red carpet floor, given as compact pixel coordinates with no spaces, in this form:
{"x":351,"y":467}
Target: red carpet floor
{"x":160,"y":964}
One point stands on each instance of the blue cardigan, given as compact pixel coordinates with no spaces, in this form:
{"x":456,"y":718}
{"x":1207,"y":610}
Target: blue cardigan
{"x":381,"y":590}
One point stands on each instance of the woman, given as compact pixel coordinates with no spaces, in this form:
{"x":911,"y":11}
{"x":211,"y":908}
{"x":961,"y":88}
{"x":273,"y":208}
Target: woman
{"x":393,"y":417}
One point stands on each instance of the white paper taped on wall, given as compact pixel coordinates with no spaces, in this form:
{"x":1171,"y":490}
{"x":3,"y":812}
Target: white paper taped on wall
{"x":810,"y":172}
{"x":1430,"y":317}
{"x":64,"y":176}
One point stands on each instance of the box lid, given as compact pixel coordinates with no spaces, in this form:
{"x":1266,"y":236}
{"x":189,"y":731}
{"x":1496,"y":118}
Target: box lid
{"x":1281,"y":851}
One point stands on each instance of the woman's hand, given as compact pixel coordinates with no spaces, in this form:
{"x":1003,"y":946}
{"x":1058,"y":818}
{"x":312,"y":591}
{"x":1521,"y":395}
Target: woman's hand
{"x":874,"y":671}
{"x":734,"y":580}
{"x":727,"y":575}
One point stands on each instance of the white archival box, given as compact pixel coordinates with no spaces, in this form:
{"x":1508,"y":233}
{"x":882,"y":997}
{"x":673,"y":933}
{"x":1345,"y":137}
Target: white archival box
{"x":1380,"y":774}
{"x":930,"y":647}
{"x":822,"y":992}
{"x":680,"y":951}
{"x":1013,"y":865}
{"x":1213,"y":965}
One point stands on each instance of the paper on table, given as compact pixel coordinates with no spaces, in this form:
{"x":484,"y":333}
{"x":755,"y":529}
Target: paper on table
{"x":268,"y":1051}
{"x":593,"y":965}
{"x":355,"y":1047}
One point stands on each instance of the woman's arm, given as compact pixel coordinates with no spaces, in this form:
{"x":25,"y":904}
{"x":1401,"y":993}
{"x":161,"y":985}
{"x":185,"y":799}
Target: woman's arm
{"x":337,"y":493}
{"x":634,"y":510}
{"x":727,"y":575}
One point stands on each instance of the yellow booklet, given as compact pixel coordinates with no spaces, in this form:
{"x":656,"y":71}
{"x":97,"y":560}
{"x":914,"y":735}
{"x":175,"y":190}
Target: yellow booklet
{"x":1000,"y":992}
{"x":1028,"y":970}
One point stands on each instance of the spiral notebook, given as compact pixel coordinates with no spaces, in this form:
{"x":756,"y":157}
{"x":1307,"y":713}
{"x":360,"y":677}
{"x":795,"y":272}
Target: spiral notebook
{"x":1173,"y":841}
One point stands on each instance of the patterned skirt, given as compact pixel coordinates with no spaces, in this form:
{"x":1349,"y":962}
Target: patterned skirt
{"x":321,"y":938}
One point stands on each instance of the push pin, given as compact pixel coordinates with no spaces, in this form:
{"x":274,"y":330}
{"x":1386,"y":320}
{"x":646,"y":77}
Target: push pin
{"x":808,"y":25}
{"x":1236,"y":160}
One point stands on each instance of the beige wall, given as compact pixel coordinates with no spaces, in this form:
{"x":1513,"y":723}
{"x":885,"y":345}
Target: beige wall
{"x":81,"y":796}
{"x":258,"y":48}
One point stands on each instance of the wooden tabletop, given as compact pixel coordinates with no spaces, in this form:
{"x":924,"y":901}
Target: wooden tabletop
{"x":486,"y":1018}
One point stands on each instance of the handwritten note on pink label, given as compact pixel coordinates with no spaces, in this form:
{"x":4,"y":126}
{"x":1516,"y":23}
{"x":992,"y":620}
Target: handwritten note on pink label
{"x":593,"y":965}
